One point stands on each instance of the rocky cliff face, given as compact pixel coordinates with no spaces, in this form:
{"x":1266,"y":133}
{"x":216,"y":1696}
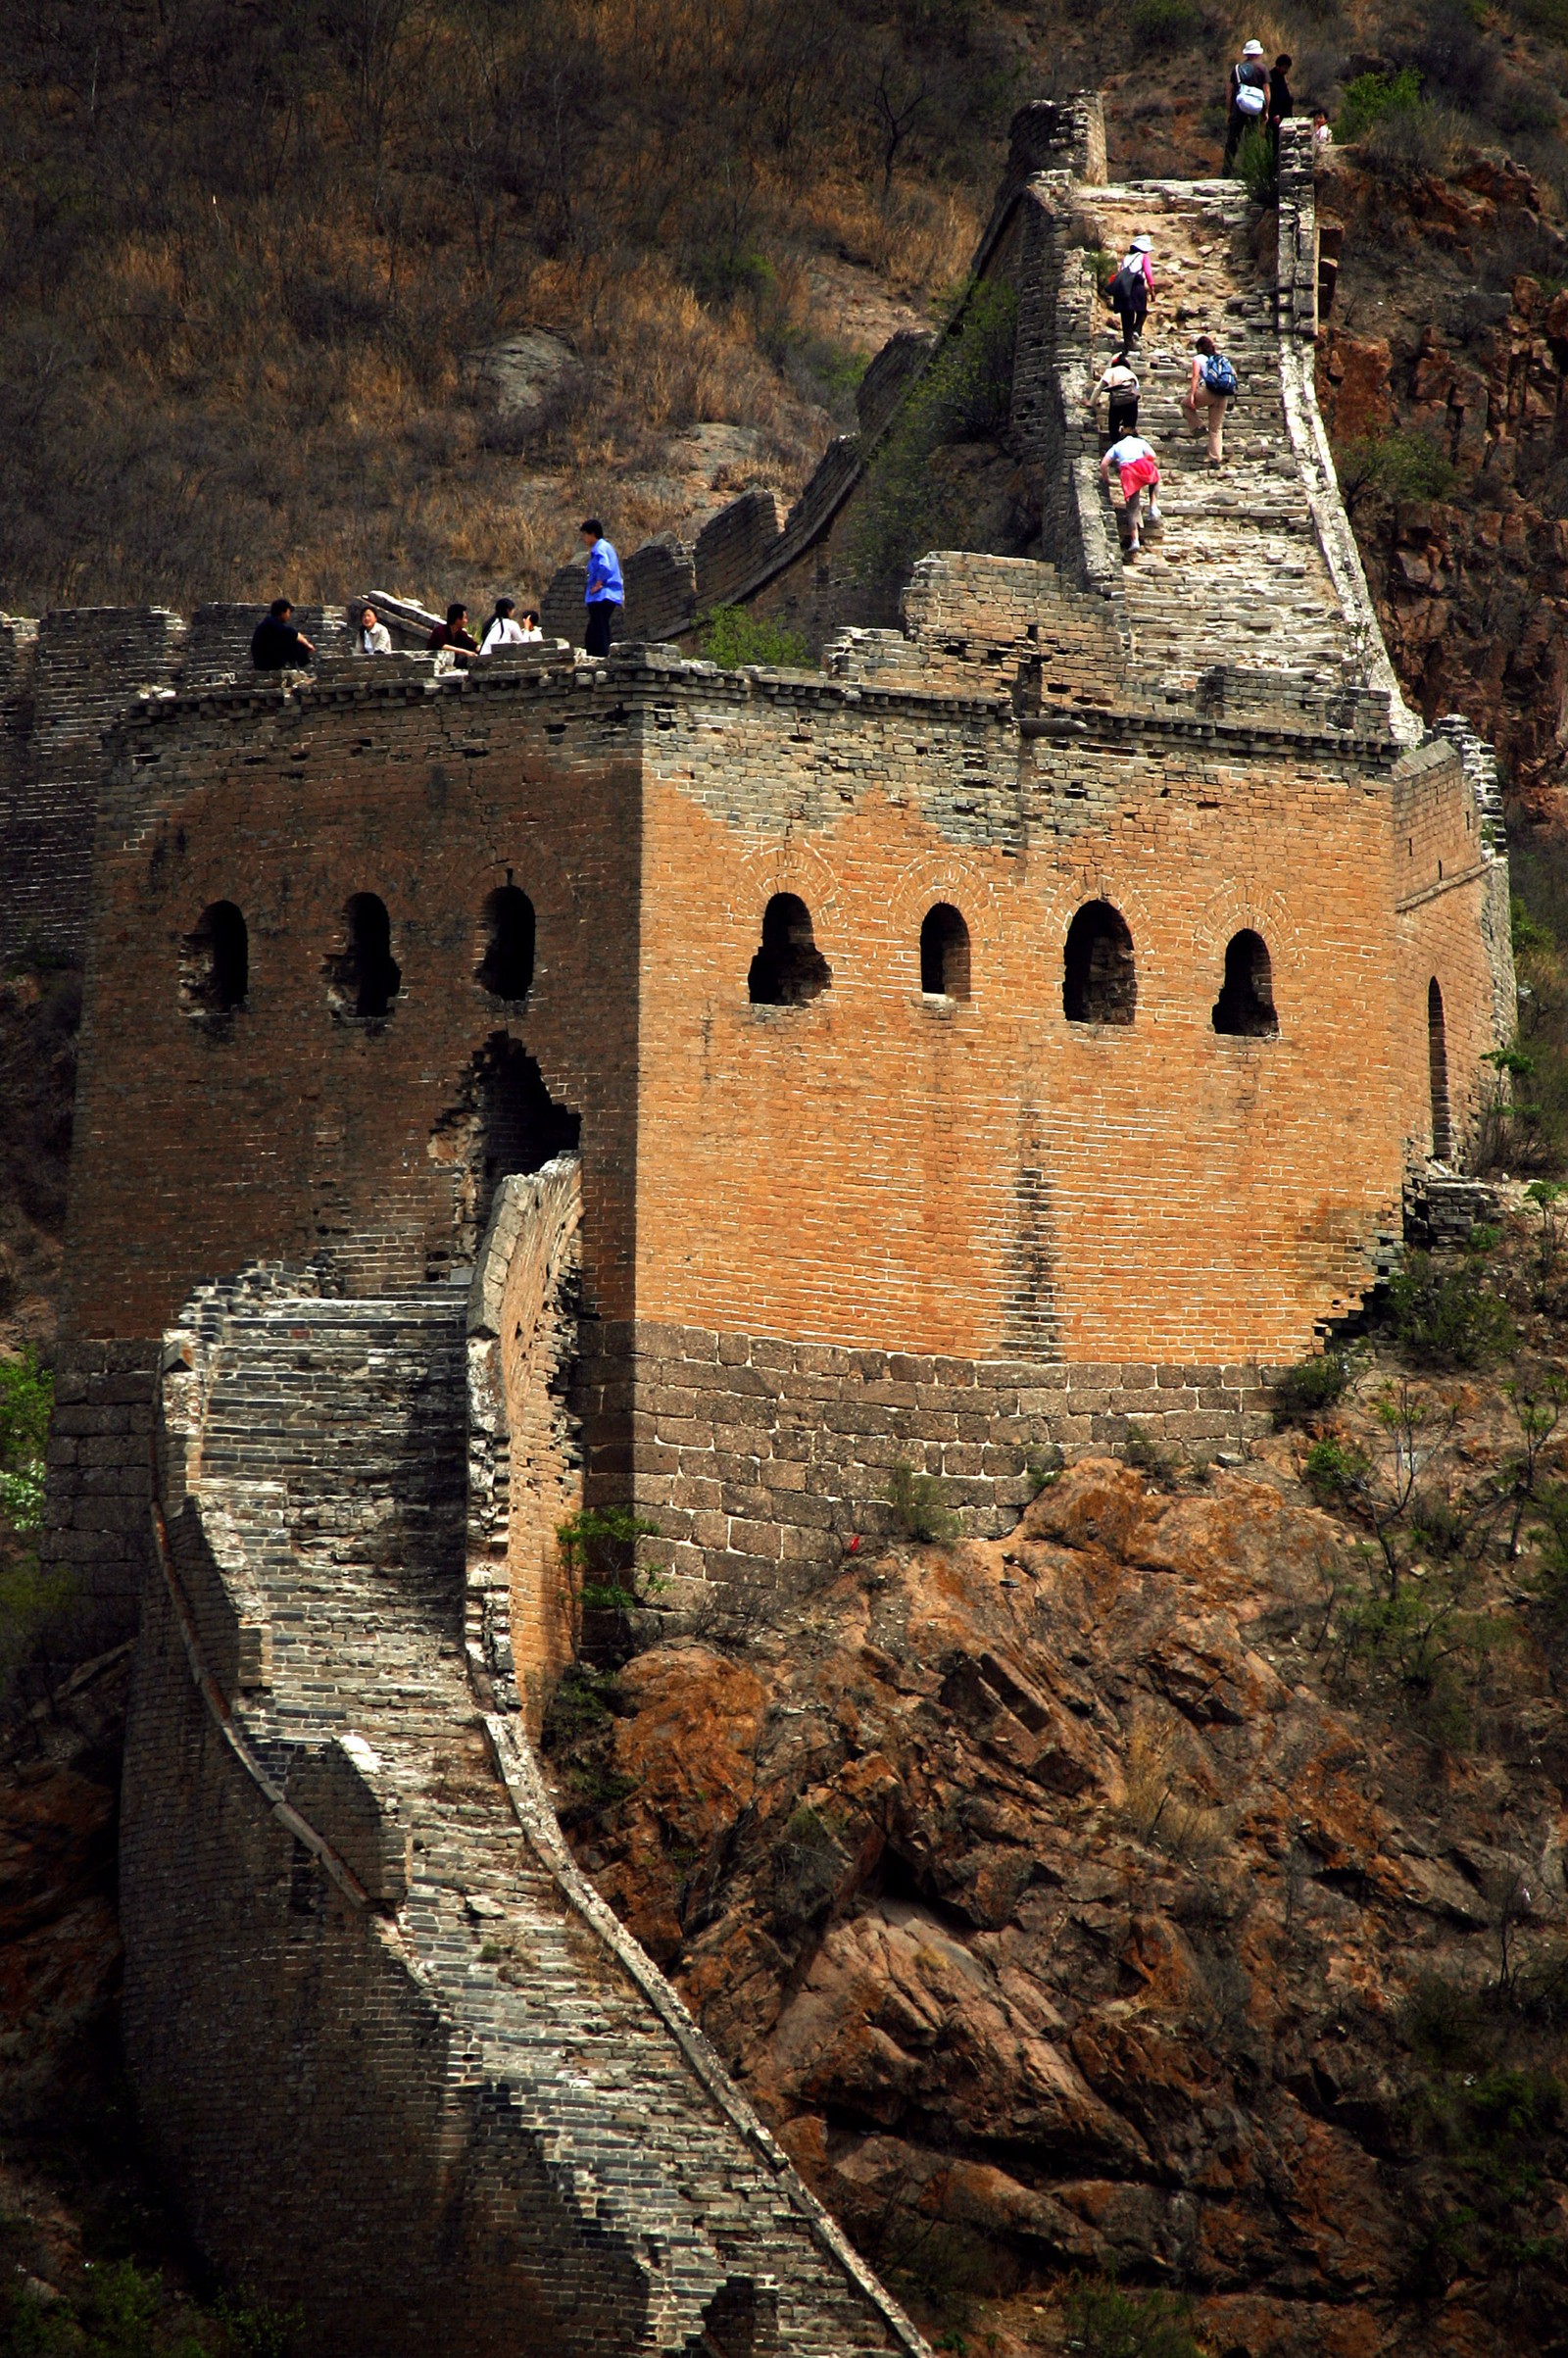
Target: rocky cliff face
{"x":1442,"y":373}
{"x":1064,"y":1906}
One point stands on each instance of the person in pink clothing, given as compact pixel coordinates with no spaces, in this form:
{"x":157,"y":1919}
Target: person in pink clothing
{"x":1136,"y":471}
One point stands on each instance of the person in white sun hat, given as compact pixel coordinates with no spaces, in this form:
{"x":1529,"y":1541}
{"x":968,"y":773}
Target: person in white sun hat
{"x":1129,"y":291}
{"x":1248,"y":101}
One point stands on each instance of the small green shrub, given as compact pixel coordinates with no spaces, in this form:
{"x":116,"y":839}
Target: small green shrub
{"x":1333,"y":1467}
{"x":1166,"y":26}
{"x":1258,"y":165}
{"x":1448,"y":1317}
{"x":1105,"y":2322}
{"x":962,"y":395}
{"x":919,"y":1504}
{"x":732,"y":635}
{"x":27,"y":1401}
{"x":1304,"y":1392}
{"x":1371,"y":97}
{"x":1148,"y":1455}
{"x":600,"y":1546}
{"x":1400,"y":465}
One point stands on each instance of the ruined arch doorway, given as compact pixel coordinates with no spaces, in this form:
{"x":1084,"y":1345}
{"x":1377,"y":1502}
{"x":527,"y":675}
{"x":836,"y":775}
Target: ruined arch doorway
{"x":789,"y":968}
{"x":364,"y":978}
{"x":1245,"y":1007}
{"x":215,"y":962}
{"x":505,"y":969}
{"x":1438,"y":1074}
{"x":503,"y":1119}
{"x":944,"y":953}
{"x":1099,"y":976}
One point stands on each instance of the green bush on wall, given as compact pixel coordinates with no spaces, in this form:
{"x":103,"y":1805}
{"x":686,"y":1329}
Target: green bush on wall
{"x":732,"y":635}
{"x":963,"y":395}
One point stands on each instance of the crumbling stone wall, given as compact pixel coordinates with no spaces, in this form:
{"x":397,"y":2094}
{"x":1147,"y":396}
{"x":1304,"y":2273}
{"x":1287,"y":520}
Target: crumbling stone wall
{"x":525,"y":1457}
{"x":404,"y":2068}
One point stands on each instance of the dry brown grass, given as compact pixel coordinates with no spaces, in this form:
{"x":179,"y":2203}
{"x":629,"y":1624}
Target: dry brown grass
{"x":243,"y":252}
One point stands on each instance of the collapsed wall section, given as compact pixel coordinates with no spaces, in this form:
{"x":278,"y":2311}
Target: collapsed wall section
{"x":371,"y":2007}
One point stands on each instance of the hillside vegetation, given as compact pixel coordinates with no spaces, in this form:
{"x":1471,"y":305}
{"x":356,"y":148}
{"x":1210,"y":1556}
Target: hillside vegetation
{"x":245,"y":249}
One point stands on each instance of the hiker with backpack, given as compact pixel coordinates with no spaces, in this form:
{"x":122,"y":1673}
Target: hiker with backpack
{"x":1130,"y":290}
{"x":1119,"y":384}
{"x":1137,"y":472}
{"x":1247,"y":103}
{"x":1213,"y":385}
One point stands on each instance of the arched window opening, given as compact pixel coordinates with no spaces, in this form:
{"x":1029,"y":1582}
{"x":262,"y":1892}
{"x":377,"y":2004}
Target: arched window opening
{"x":364,"y":979}
{"x":1438,"y":1071}
{"x":943,"y":953}
{"x":1099,"y":981}
{"x":215,"y":962}
{"x":504,"y":1121}
{"x":789,"y":968}
{"x":1244,"y":1007}
{"x":507,"y":967}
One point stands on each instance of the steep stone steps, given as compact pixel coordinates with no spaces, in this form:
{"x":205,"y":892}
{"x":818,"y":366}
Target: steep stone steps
{"x":333,"y":1461}
{"x":1235,"y":573}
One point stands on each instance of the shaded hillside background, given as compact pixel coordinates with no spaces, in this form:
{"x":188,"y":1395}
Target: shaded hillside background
{"x":244,"y":250}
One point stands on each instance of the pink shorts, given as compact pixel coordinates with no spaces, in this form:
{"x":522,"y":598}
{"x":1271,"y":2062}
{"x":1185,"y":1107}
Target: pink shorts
{"x":1142,"y":474}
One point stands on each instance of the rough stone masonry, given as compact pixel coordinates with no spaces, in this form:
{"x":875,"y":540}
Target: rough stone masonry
{"x":628,"y":1082}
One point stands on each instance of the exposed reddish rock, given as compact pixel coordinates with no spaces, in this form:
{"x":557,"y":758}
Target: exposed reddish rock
{"x":1042,"y":1891}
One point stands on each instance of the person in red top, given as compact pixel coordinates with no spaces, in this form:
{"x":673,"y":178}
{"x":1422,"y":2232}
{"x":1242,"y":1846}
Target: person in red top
{"x":454,"y":632}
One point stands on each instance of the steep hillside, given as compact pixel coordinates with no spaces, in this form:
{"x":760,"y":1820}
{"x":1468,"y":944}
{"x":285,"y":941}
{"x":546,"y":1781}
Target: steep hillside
{"x":1172,"y":1892}
{"x":398,"y":288}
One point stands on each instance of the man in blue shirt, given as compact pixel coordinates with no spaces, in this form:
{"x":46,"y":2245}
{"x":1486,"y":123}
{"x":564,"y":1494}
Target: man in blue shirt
{"x":605,"y":593}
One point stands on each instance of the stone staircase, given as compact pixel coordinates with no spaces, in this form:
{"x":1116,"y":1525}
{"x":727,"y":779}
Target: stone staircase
{"x":325,"y":1450}
{"x":1236,"y":576}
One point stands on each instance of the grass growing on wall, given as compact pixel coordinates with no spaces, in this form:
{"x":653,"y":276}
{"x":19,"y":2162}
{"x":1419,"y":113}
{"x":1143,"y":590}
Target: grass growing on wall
{"x":963,"y":396}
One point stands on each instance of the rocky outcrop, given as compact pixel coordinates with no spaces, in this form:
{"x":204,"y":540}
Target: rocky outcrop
{"x":1446,"y":330}
{"x":1056,"y":1913}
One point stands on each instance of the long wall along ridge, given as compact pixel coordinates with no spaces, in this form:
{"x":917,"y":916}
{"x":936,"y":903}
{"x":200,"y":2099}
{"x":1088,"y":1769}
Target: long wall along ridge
{"x":627,"y":1081}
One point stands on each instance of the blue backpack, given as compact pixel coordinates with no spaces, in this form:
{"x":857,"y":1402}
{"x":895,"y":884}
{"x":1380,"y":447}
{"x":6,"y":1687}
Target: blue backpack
{"x":1218,"y":375}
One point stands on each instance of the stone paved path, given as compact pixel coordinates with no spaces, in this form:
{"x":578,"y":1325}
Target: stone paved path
{"x":1236,"y":576}
{"x":334,"y":1450}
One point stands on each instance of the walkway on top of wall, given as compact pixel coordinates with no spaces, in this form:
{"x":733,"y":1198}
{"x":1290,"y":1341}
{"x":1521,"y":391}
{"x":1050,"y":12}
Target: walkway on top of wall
{"x":1237,"y":575}
{"x":329,"y":1466}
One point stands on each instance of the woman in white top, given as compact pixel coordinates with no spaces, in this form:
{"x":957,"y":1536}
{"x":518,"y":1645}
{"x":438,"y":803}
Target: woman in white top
{"x":1119,"y":384}
{"x":371,"y":637}
{"x":502,"y":630}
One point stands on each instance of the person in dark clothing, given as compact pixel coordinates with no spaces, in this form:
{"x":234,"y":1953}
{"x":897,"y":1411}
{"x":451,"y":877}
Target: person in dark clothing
{"x":455,"y":633}
{"x":1279,"y":99}
{"x":1248,"y":100}
{"x":275,"y":644}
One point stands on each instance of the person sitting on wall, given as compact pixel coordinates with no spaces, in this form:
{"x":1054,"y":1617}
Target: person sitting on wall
{"x":371,"y":637}
{"x":275,"y":644}
{"x":604,"y":592}
{"x":502,"y":630}
{"x":455,"y":633}
{"x":530,"y":625}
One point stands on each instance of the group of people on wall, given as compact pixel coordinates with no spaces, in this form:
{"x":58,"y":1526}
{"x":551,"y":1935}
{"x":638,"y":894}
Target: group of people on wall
{"x":278,"y":644}
{"x":1211,"y":387}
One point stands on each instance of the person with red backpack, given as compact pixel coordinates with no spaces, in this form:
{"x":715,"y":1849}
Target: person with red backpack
{"x":1248,"y":102}
{"x":1213,"y":385}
